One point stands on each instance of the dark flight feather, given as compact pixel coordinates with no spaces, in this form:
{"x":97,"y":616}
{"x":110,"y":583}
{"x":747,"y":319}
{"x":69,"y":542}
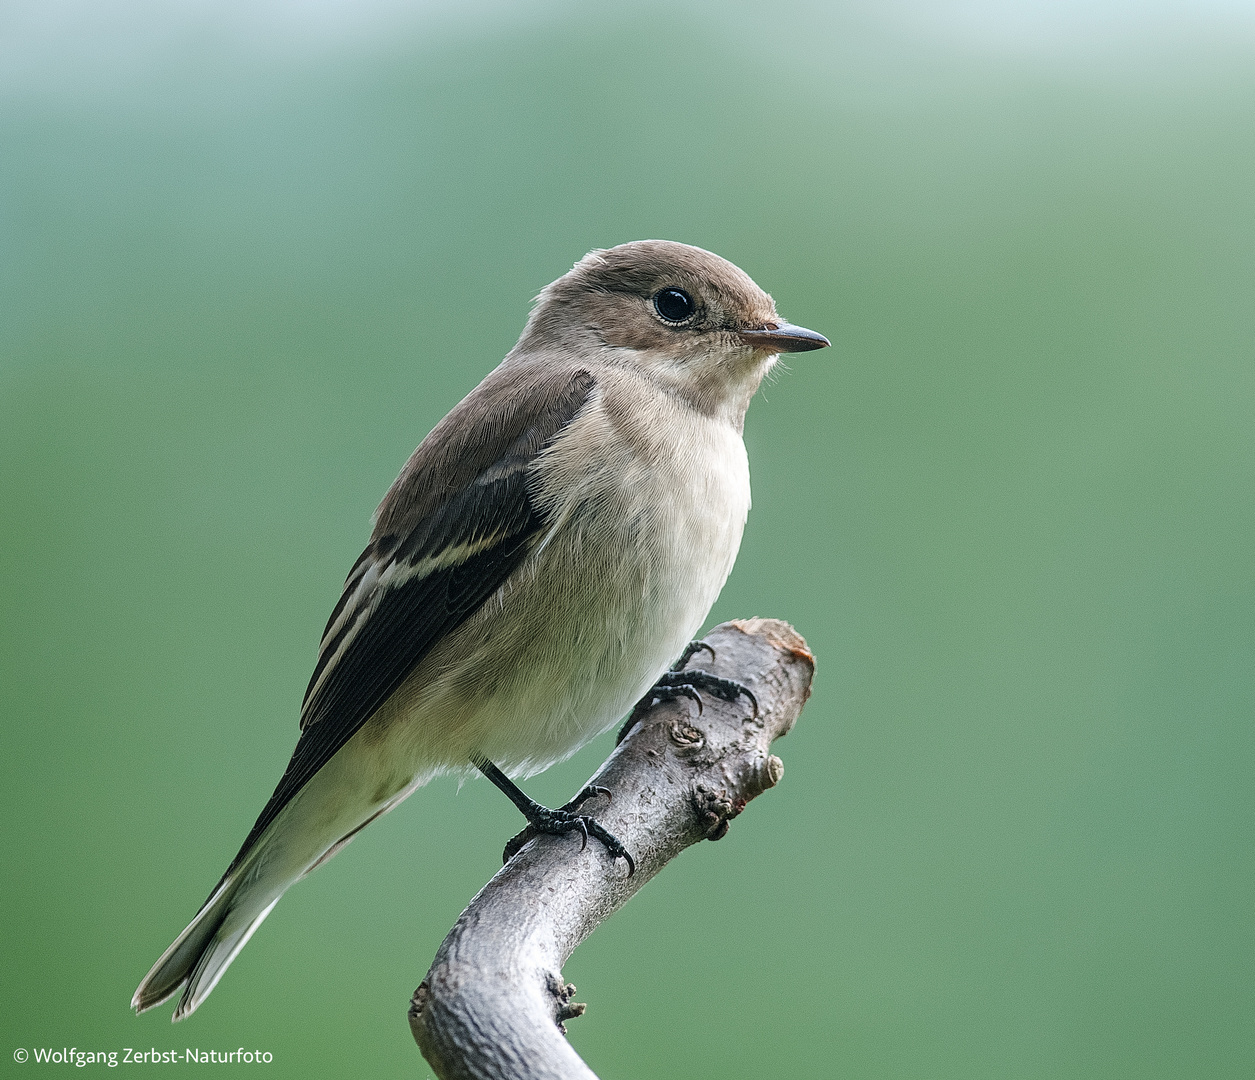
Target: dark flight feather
{"x":466,"y":486}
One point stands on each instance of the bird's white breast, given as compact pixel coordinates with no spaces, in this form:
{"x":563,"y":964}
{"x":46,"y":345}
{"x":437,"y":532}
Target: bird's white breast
{"x":647,"y":501}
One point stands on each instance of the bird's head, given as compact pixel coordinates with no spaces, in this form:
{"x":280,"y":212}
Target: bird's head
{"x":685,"y":317}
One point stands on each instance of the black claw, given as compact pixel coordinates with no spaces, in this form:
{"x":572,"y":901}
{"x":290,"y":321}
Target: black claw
{"x":590,"y":792}
{"x":691,"y":648}
{"x":515,"y":844}
{"x":612,"y":845}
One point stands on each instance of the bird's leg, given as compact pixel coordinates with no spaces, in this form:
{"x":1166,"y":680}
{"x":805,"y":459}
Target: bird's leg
{"x":565,"y":819}
{"x":677,"y":683}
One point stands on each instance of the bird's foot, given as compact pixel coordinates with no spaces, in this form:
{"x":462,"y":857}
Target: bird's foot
{"x":543,"y":821}
{"x":727,"y":689}
{"x":676,"y":684}
{"x":657,"y":693}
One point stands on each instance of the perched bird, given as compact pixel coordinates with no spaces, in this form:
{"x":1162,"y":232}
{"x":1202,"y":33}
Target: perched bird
{"x":548,"y":549}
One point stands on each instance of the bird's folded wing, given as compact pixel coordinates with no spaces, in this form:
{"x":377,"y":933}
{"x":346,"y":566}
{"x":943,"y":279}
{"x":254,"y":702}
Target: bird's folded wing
{"x":451,"y":530}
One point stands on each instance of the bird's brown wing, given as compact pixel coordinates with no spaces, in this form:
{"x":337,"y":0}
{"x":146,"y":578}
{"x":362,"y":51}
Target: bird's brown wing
{"x":451,"y":530}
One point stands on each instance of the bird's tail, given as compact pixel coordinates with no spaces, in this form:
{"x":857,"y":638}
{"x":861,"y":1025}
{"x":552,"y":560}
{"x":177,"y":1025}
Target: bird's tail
{"x":201,"y":954}
{"x":312,"y":828}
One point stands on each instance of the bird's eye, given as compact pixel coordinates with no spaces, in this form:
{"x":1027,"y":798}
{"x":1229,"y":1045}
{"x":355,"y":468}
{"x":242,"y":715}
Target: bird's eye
{"x":673,"y":305}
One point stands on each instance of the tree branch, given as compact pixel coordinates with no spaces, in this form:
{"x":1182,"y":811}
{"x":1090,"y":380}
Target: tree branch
{"x":493,"y":1003}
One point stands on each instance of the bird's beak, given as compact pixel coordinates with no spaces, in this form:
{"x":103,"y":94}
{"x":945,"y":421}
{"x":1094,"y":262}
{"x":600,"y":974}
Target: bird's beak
{"x":783,"y":337}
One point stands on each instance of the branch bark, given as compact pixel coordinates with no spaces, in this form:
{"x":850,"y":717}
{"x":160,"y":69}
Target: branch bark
{"x":493,"y":1003}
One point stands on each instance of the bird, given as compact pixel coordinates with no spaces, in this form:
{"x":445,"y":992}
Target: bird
{"x":548,"y":550}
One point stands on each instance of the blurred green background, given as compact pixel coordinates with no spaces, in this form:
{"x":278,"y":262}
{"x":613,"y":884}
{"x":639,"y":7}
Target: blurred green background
{"x":253,"y":252}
